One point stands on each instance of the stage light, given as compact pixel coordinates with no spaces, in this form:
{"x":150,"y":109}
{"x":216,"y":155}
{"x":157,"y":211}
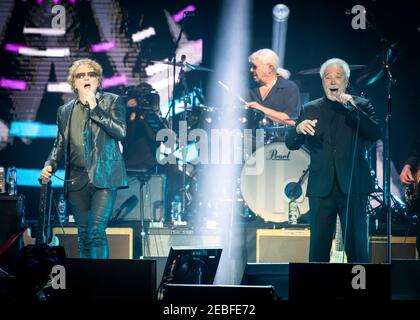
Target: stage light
{"x":29,"y":178}
{"x":144,"y":34}
{"x":59,"y":87}
{"x":45,"y":31}
{"x":230,"y":71}
{"x":280,"y":16}
{"x":49,"y":52}
{"x":32,"y":130}
{"x":114,"y":81}
{"x":103,"y":47}
{"x":12,"y":47}
{"x":177,"y":17}
{"x":13,"y":84}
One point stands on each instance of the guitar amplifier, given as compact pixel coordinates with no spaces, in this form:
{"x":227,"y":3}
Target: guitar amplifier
{"x":120,"y":242}
{"x":282,"y":245}
{"x":401,"y":248}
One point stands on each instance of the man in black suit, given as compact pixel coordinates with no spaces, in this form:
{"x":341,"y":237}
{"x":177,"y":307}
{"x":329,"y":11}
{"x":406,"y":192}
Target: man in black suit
{"x":89,"y":130}
{"x":337,"y":129}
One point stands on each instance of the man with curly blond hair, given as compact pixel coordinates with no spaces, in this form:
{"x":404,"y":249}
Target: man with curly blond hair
{"x":89,"y":130}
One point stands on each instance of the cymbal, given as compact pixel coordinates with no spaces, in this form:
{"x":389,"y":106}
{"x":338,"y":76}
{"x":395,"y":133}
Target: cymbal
{"x":184,"y":64}
{"x":198,"y":68}
{"x":316,"y":70}
{"x":375,"y":70}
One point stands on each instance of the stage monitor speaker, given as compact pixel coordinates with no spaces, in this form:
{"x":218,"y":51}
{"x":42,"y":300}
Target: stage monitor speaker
{"x":339,"y":281}
{"x":120,"y":242}
{"x":151,"y":196}
{"x":226,"y":293}
{"x":401,"y":248}
{"x":282,"y":245}
{"x":110,"y":280}
{"x":12,"y":212}
{"x":405,"y":279}
{"x":159,"y":241}
{"x":275,"y":274}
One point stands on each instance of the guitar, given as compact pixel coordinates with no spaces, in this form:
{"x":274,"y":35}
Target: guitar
{"x":43,"y":231}
{"x":412,"y":192}
{"x":337,"y":254}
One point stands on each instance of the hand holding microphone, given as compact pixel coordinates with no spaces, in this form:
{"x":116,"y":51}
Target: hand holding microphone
{"x":346,"y":100}
{"x":88,"y":96}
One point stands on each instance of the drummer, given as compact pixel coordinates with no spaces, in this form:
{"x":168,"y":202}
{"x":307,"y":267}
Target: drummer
{"x":272,"y":92}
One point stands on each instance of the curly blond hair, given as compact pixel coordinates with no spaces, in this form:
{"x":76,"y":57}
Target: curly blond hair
{"x":91,"y":63}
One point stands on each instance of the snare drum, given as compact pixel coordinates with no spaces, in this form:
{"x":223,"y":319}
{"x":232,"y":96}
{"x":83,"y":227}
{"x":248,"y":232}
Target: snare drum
{"x":268,"y":192}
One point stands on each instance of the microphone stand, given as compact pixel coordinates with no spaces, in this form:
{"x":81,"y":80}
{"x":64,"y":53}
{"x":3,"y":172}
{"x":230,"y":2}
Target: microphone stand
{"x":186,"y":99}
{"x":173,"y":58}
{"x":183,"y":81}
{"x":387,"y":155}
{"x":387,"y":138}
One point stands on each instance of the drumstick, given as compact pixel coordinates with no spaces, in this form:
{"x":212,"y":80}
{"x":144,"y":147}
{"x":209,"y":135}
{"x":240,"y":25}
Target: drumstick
{"x":228,"y":90}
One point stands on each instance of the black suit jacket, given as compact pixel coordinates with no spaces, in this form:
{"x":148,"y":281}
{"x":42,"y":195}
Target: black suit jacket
{"x":107,"y":125}
{"x":329,"y":158}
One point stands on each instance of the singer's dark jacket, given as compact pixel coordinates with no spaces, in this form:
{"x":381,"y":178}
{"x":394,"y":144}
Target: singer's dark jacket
{"x":106,"y":125}
{"x":332,"y":145}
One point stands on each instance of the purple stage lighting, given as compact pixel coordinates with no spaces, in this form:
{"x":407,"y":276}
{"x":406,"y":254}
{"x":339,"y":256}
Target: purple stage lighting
{"x":114,"y":81}
{"x":103,"y":46}
{"x":177,"y":17}
{"x":13,"y":84}
{"x":13,"y":47}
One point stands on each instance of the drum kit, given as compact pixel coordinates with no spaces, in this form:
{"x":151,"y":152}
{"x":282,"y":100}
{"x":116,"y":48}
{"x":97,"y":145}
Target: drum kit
{"x":277,"y":194}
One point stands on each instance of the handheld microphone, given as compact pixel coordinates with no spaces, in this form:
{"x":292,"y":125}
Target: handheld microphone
{"x":349,"y":105}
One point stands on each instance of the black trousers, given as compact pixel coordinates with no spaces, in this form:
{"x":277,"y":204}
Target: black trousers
{"x":323,"y":215}
{"x":91,"y":207}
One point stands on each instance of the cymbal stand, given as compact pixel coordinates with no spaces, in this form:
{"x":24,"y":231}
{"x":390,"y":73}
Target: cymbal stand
{"x":386,"y":64}
{"x":184,"y":139}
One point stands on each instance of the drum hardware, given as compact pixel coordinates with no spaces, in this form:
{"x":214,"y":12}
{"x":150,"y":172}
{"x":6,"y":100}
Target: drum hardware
{"x":313,"y":71}
{"x":183,"y":64}
{"x":276,"y":190}
{"x":294,"y":191}
{"x":143,"y":177}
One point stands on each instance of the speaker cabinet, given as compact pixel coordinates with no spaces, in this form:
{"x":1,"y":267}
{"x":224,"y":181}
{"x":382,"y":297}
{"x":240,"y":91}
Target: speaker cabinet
{"x":146,"y":192}
{"x":109,"y":280}
{"x":120,"y":242}
{"x":204,"y":293}
{"x":158,"y":241}
{"x":405,"y":279}
{"x":274,"y":274}
{"x":401,"y":248}
{"x":282,"y":245}
{"x":12,"y":211}
{"x":339,"y":281}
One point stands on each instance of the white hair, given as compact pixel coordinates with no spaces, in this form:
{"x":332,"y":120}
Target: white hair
{"x":338,"y":62}
{"x":270,"y":57}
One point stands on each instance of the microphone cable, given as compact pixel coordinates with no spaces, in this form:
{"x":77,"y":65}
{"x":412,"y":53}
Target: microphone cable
{"x":356,"y":135}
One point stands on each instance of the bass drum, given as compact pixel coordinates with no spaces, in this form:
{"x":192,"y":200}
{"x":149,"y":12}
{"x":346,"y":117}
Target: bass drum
{"x":269,"y":179}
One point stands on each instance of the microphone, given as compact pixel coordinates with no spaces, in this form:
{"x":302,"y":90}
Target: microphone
{"x":349,"y":105}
